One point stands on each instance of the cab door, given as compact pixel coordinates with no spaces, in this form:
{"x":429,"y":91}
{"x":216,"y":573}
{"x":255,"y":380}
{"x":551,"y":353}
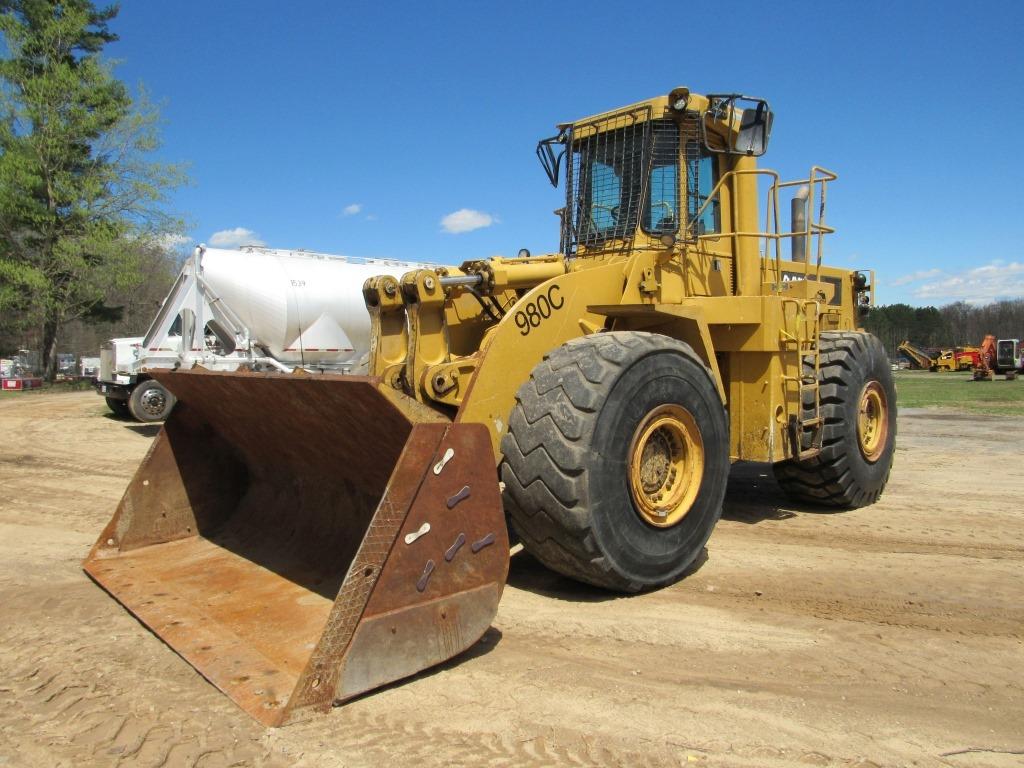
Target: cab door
{"x":711,"y":267}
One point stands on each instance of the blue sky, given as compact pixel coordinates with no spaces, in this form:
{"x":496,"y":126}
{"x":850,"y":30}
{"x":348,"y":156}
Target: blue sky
{"x":358,"y":128}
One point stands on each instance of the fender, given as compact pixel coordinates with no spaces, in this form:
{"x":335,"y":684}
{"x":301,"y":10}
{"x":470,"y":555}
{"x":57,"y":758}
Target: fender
{"x":546,"y":317}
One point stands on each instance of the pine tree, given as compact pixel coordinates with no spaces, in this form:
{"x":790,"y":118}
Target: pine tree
{"x":76,"y":187}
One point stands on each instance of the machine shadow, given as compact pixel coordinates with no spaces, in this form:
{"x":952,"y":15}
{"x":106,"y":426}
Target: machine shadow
{"x":527,"y":573}
{"x":753,"y":496}
{"x":146,"y":430}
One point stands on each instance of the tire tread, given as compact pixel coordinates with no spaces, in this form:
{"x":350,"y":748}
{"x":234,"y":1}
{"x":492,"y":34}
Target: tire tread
{"x":826,"y":479}
{"x":545,"y":450}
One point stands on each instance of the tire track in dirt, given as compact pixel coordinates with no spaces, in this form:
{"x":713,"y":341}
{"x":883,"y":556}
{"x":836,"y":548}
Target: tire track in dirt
{"x":106,"y":709}
{"x":118,"y":705}
{"x":754,"y":584}
{"x":879,"y":638}
{"x":79,"y":724}
{"x":802,"y":597}
{"x":856,"y":542}
{"x":101,"y":712}
{"x":21,"y":464}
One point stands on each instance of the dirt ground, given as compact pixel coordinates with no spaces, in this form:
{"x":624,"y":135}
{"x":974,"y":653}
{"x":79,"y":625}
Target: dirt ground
{"x":886,"y":636}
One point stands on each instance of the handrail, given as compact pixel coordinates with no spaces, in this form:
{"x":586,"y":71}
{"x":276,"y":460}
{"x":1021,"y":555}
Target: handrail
{"x":815,"y":225}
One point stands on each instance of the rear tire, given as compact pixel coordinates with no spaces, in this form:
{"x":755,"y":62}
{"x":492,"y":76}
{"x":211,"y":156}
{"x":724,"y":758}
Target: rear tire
{"x":858,"y":404}
{"x":150,"y":402}
{"x":616,"y":460}
{"x":118,"y":407}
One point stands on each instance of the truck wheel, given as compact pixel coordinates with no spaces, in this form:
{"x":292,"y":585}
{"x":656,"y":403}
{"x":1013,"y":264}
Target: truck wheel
{"x":118,"y":407}
{"x":858,"y":404}
{"x":616,"y":460}
{"x":149,"y":401}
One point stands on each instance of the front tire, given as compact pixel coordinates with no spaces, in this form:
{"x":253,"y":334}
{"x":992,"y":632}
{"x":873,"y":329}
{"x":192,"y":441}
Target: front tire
{"x":858,"y":405}
{"x":616,"y":460}
{"x":150,"y":401}
{"x":118,"y":407}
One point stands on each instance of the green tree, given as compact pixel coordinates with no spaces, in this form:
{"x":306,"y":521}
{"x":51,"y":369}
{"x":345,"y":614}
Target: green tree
{"x":79,"y":196}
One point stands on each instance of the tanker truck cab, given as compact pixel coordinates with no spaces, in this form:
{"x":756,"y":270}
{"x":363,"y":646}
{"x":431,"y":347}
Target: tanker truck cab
{"x":118,"y":373}
{"x":124,"y":381}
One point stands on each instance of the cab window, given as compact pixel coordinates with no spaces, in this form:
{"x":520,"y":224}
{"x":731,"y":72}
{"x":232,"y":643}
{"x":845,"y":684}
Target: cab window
{"x":661,"y":214}
{"x":701,"y":177}
{"x":605,"y":197}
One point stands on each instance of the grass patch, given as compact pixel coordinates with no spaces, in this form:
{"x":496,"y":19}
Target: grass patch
{"x":922,"y":389}
{"x":68,"y":385}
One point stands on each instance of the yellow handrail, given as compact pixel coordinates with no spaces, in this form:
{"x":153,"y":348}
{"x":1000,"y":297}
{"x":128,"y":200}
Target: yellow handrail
{"x":815,"y":225}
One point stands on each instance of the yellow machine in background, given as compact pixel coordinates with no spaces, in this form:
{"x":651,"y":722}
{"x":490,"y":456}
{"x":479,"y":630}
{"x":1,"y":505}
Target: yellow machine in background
{"x":344,"y":532}
{"x":918,"y":356}
{"x":945,"y":360}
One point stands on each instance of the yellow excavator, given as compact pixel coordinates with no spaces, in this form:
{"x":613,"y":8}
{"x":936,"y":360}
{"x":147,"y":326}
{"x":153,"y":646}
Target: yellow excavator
{"x":301,"y":539}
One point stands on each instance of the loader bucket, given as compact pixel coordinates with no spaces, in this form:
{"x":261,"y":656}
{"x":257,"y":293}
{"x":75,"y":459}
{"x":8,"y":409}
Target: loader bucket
{"x":303,"y":539}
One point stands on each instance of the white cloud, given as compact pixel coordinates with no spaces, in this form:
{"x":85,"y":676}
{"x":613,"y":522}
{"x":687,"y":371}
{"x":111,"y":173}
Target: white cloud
{"x":466,"y":220}
{"x":978,"y":285}
{"x":352,"y":210}
{"x":913,"y":277}
{"x":173,"y":240}
{"x":233,"y":238}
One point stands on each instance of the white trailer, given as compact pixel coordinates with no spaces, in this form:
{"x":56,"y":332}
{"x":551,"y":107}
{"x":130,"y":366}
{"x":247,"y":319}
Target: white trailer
{"x":264,"y":308}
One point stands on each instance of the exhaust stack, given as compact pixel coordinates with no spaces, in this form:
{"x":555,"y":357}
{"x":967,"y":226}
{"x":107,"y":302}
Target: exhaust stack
{"x":798,"y":223}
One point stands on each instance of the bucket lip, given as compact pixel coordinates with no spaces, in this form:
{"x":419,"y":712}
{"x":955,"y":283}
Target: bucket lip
{"x":164,"y":375}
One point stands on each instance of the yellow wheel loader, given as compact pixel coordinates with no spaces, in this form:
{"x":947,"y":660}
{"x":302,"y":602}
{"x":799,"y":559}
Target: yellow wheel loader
{"x":302,"y":539}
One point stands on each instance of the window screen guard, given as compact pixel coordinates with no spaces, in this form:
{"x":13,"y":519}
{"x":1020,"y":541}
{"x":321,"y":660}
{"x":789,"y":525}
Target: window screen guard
{"x":605,"y":178}
{"x":623,"y":171}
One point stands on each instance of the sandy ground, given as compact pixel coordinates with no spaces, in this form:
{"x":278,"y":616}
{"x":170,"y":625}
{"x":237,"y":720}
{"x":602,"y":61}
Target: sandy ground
{"x":886,"y":636}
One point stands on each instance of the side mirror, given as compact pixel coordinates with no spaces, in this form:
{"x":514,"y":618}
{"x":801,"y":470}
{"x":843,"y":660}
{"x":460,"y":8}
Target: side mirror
{"x":755,"y":128}
{"x":737,"y":125}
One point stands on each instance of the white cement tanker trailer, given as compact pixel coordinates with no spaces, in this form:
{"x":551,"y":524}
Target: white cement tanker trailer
{"x":260,"y":307}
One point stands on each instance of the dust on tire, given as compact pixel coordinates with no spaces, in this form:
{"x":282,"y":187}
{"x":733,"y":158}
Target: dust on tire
{"x":565,"y":463}
{"x":841,"y":476}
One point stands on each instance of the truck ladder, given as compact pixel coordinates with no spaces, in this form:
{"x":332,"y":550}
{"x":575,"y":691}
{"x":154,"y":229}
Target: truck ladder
{"x":799,"y":337}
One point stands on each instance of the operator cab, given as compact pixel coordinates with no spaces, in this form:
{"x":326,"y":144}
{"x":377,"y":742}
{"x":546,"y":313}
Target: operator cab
{"x":644,"y":175}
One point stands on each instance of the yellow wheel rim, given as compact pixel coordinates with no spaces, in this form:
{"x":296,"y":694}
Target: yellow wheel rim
{"x":872,"y":421}
{"x":666,"y":464}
